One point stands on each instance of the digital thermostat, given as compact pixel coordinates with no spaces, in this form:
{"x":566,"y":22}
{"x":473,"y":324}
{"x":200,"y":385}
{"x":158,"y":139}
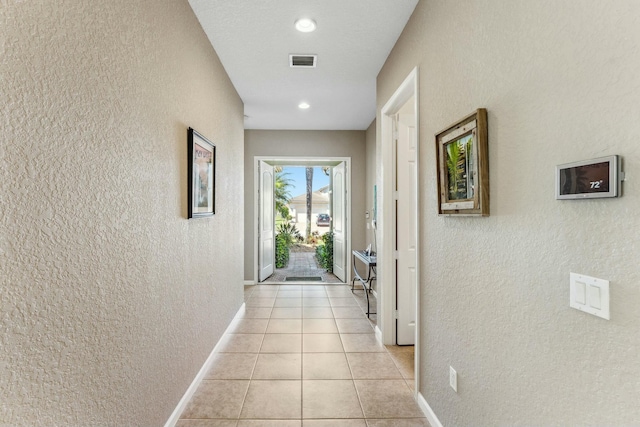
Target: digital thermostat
{"x":589,"y":179}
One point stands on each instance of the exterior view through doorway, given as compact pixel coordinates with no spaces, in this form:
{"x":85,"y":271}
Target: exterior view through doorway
{"x":302,"y":230}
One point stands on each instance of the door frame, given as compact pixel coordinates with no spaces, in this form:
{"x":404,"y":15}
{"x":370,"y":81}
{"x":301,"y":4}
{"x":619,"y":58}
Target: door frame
{"x":387,"y":220}
{"x":300,"y":161}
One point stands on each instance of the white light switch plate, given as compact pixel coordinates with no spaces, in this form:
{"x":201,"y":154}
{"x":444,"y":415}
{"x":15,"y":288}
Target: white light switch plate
{"x":590,"y":295}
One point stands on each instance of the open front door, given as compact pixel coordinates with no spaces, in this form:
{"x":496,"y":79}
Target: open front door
{"x":339,"y":220}
{"x":266,"y":223}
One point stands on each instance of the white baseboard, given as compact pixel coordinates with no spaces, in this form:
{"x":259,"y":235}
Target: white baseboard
{"x":378,"y":333}
{"x":175,"y":416}
{"x":249,"y":282}
{"x":428,"y":412}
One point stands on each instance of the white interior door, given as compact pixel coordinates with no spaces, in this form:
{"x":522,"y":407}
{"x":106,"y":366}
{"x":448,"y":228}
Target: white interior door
{"x":406,"y":226}
{"x":266,"y":221}
{"x":339,"y":222}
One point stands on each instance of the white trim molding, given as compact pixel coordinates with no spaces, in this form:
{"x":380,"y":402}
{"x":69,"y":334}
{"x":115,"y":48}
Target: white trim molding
{"x":378,"y":333}
{"x":428,"y":412}
{"x":386,"y":217}
{"x":175,"y":415}
{"x":386,"y":220}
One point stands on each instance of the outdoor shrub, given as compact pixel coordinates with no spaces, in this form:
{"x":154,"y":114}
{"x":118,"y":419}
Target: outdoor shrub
{"x":319,"y":255}
{"x":282,"y":250}
{"x":313,"y":238}
{"x":290,"y":231}
{"x":324,"y":252}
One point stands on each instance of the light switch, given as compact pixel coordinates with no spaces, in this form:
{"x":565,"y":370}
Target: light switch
{"x":581,"y":292}
{"x":590,"y":295}
{"x":594,"y":297}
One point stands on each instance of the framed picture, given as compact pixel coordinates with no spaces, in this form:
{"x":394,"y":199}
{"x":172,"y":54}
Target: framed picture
{"x":463,"y":167}
{"x":202,"y":175}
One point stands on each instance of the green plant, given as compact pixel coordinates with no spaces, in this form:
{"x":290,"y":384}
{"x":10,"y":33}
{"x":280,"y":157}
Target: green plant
{"x":453,"y":154}
{"x":324,"y":252}
{"x":282,"y":250}
{"x":287,"y":234}
{"x":290,"y":231}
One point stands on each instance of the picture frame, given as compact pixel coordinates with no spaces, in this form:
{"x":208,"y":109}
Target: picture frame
{"x":462,"y":154}
{"x":202,"y":175}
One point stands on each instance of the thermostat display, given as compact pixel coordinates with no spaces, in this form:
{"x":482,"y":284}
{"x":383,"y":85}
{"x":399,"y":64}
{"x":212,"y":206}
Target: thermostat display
{"x":588,"y":179}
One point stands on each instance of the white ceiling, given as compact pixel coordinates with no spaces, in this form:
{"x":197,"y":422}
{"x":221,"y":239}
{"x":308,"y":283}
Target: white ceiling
{"x":254,"y":38}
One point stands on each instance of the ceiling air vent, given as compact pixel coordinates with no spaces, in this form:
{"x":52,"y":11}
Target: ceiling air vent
{"x":303,"y":61}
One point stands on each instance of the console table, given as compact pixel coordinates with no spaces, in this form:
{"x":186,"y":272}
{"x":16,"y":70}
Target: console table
{"x":370,"y":264}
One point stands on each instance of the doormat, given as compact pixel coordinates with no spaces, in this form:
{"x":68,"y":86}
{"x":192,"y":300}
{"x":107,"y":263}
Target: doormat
{"x":303,"y":279}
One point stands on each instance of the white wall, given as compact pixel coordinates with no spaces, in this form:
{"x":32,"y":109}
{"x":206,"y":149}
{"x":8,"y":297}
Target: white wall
{"x":282,"y":143}
{"x":111,"y":300}
{"x":560,"y":82}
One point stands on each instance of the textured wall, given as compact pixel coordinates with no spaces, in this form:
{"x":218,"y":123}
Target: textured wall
{"x":560,"y":82}
{"x":304,"y":144}
{"x":110,"y":299}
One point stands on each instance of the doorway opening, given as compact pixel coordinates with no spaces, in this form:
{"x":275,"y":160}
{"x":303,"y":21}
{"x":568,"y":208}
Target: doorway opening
{"x":399,"y":251}
{"x":302,"y":226}
{"x":304,"y":242}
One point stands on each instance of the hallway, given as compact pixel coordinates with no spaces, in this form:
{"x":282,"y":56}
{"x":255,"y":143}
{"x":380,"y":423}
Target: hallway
{"x":305,"y":355}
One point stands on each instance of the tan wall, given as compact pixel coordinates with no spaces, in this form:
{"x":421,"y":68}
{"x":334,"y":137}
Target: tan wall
{"x":560,"y":82}
{"x":111,"y":299}
{"x":327,"y":144}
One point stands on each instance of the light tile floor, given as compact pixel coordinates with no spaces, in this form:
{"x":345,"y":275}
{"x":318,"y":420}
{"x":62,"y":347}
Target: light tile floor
{"x":305,"y":355}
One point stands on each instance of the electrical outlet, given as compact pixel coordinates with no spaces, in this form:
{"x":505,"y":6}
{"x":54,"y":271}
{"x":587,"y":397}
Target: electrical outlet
{"x":453,"y":379}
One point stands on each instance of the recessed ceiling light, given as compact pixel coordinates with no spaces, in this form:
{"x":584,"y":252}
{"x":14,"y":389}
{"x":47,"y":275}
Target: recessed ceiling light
{"x":303,"y":106}
{"x":305,"y":25}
